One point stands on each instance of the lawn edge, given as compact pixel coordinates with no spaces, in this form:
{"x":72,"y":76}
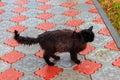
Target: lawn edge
{"x":108,"y":23}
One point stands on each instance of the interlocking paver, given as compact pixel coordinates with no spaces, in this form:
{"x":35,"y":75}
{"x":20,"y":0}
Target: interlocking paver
{"x":4,"y":66}
{"x":104,"y":31}
{"x":44,"y":7}
{"x":65,"y":60}
{"x":46,"y":26}
{"x":87,"y":67}
{"x":99,"y":61}
{"x":31,"y":22}
{"x":107,"y":72}
{"x":19,"y":28}
{"x":11,"y":74}
{"x":29,"y":64}
{"x":11,"y":42}
{"x":57,"y":10}
{"x":72,"y":75}
{"x":56,"y":2}
{"x":103,"y":55}
{"x":4,"y":49}
{"x":47,"y":72}
{"x":6,"y":35}
{"x":111,"y":45}
{"x":59,"y":19}
{"x":45,"y":16}
{"x":74,"y":23}
{"x":30,"y":77}
{"x":71,"y":13}
{"x":19,"y":18}
{"x":12,"y":57}
{"x":87,"y":50}
{"x":28,"y":50}
{"x":7,"y":15}
{"x":69,"y":4}
{"x":32,"y":13}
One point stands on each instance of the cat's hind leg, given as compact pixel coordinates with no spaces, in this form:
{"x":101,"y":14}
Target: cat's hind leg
{"x":47,"y":57}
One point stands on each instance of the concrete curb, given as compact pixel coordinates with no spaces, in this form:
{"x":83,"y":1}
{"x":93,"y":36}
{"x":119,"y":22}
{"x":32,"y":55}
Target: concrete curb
{"x":107,"y":22}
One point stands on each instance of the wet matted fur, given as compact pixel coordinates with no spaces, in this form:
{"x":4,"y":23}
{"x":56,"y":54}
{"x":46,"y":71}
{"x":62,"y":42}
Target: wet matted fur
{"x":59,"y":41}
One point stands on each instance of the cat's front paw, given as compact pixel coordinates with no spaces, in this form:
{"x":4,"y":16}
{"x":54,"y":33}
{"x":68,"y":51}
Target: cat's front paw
{"x":77,"y":61}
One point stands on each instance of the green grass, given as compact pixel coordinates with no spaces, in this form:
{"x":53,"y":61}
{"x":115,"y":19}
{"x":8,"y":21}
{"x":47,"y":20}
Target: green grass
{"x":112,"y":8}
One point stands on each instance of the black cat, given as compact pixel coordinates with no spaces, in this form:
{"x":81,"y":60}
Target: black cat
{"x":59,"y":41}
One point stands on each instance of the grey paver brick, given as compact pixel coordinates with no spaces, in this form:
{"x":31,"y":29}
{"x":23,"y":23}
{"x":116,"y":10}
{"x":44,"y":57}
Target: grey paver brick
{"x":107,"y":73}
{"x":6,"y":24}
{"x":7,"y":15}
{"x":69,"y":74}
{"x":5,"y":36}
{"x":32,"y":13}
{"x":29,"y":64}
{"x":9,"y":7}
{"x":57,"y":10}
{"x":56,"y":2}
{"x":32,"y":4}
{"x":83,"y":7}
{"x":60,"y":27}
{"x":31,"y":22}
{"x":86,"y":16}
{"x":4,"y":66}
{"x":4,"y":49}
{"x":103,"y":55}
{"x":28,"y":50}
{"x":65,"y":60}
{"x":59,"y":19}
{"x":31,"y":32}
{"x":30,"y":77}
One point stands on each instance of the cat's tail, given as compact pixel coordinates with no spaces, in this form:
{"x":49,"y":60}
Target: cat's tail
{"x":24,"y":40}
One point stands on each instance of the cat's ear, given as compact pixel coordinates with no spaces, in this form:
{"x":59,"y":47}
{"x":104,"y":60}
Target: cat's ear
{"x":91,"y":28}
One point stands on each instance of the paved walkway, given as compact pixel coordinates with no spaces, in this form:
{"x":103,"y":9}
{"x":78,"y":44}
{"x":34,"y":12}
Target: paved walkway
{"x":100,"y":60}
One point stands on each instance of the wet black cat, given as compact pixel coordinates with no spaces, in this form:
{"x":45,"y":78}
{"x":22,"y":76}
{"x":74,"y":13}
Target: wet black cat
{"x":59,"y":41}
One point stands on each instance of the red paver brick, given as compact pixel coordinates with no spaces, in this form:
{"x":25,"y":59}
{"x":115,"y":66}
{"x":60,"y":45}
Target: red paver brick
{"x":104,"y":31}
{"x":40,"y":53}
{"x":89,"y":2}
{"x":74,"y":23}
{"x":2,"y":4}
{"x":10,"y":74}
{"x":18,"y":18}
{"x":112,"y":45}
{"x":71,"y":13}
{"x":47,"y":72}
{"x":1,"y":11}
{"x":11,"y":42}
{"x":44,"y":7}
{"x":0,"y":20}
{"x":87,"y":67}
{"x":116,"y":62}
{"x":12,"y":57}
{"x":45,"y":16}
{"x":19,"y":28}
{"x":20,"y":9}
{"x":45,"y":26}
{"x":42,"y":0}
{"x":98,"y":20}
{"x":93,"y":10}
{"x":69,"y":4}
{"x":21,"y":2}
{"x":88,"y":49}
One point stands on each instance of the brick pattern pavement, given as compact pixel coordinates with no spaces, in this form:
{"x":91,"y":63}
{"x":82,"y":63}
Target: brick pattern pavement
{"x":99,"y":61}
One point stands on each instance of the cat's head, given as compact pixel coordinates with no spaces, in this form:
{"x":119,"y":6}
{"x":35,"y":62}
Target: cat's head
{"x":88,"y":34}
